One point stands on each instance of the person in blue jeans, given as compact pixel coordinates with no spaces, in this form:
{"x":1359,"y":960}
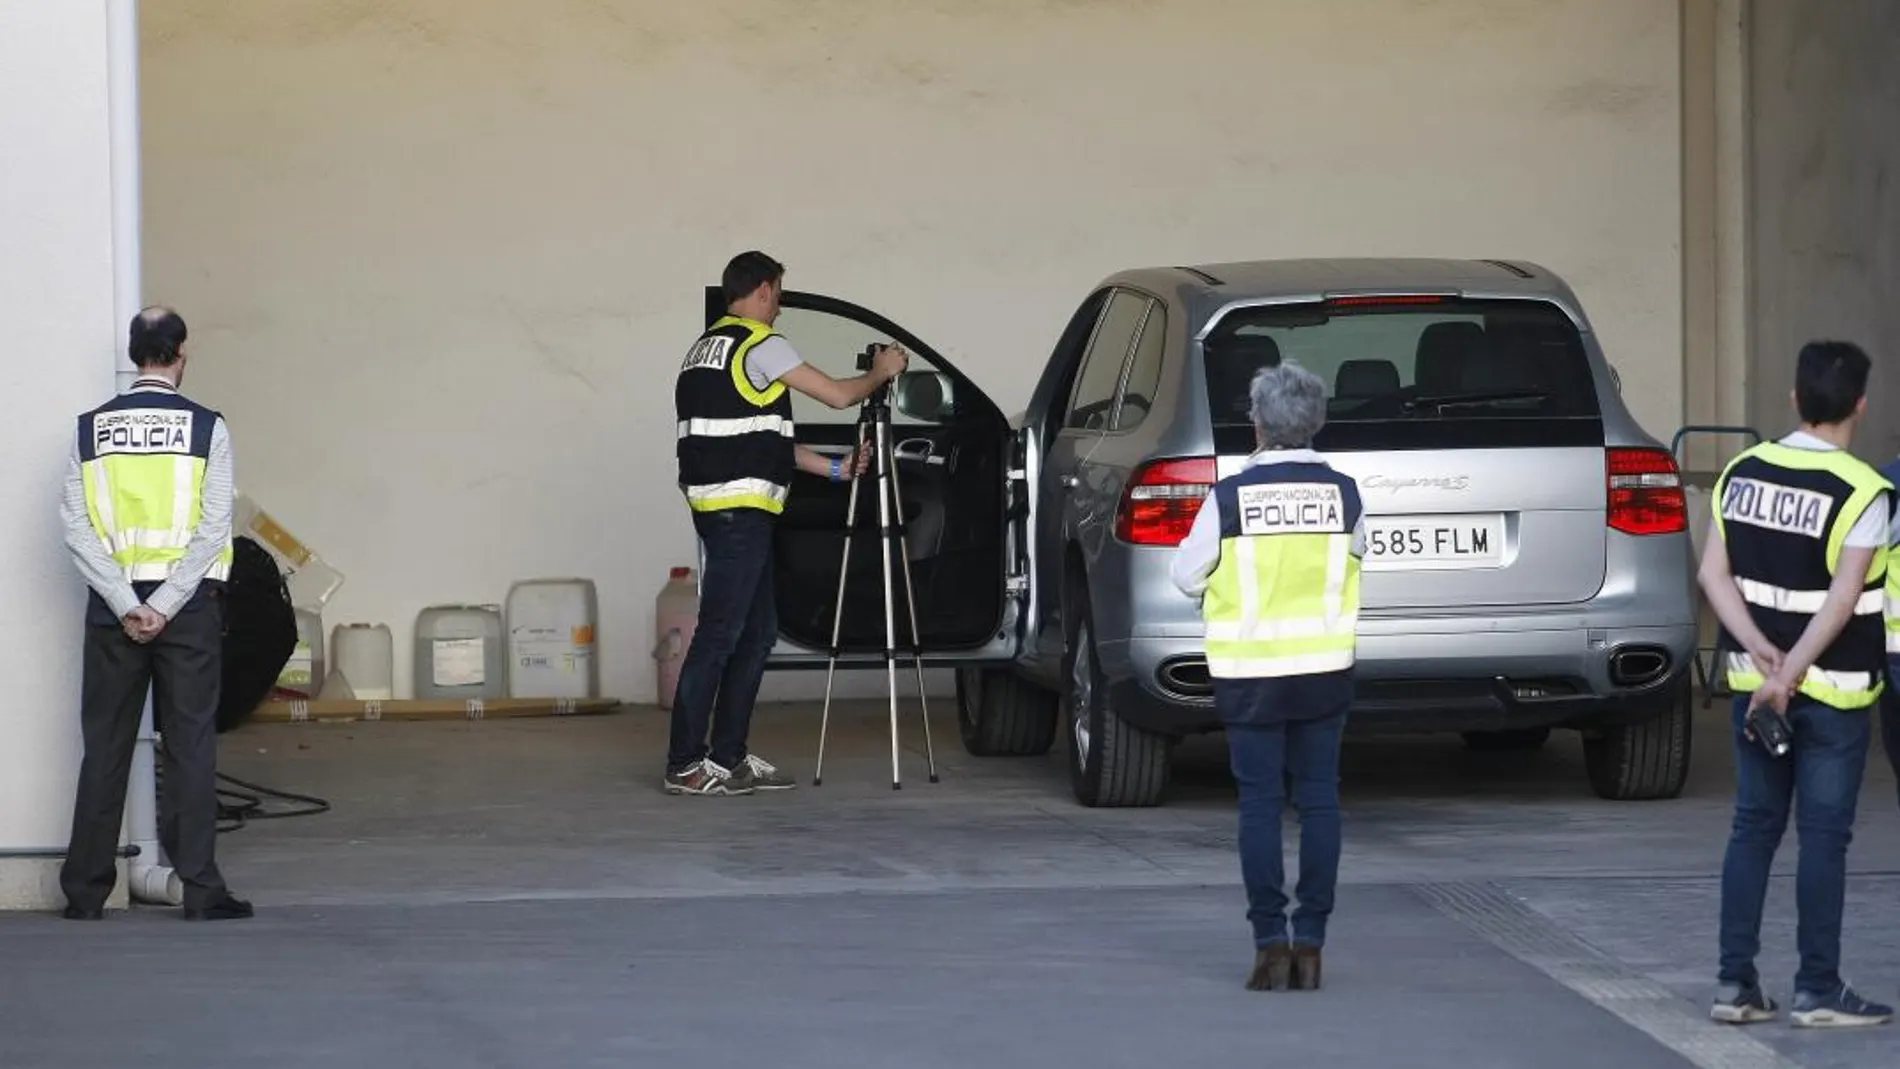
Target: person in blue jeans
{"x":737,"y":459}
{"x":1795,"y":569}
{"x":1274,"y":557}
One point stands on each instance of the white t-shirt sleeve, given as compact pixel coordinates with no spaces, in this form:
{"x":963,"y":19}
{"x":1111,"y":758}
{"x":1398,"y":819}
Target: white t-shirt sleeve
{"x":1871,"y":531}
{"x":769,"y":360}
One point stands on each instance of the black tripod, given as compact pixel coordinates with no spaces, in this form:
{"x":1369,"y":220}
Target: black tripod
{"x":874,"y":425}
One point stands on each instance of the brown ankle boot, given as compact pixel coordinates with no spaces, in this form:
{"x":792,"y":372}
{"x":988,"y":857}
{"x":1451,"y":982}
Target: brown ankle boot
{"x":1272,"y":968}
{"x":1306,"y":969}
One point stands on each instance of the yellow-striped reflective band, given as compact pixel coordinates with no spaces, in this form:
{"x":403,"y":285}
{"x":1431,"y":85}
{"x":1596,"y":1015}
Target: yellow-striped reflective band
{"x":1803,"y":602}
{"x":737,"y":493}
{"x":1843,"y":690}
{"x":733,"y":428}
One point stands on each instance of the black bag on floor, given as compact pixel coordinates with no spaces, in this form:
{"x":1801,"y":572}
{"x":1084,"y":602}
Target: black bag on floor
{"x":260,"y":632}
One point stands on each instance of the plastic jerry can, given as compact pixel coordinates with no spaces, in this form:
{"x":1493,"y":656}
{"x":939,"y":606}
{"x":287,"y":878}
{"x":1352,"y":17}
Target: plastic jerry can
{"x":363,"y":654}
{"x":551,"y":639}
{"x":676,"y":611}
{"x":460,"y":653}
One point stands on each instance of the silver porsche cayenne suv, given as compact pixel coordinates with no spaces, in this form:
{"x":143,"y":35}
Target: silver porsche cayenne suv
{"x":1529,"y":566}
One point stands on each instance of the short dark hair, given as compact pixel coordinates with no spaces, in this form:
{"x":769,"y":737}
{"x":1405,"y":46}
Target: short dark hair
{"x":1830,"y":378}
{"x":748,"y":271}
{"x":157,"y":335}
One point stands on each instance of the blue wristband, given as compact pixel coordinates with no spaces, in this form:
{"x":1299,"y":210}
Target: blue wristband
{"x":837,"y":469}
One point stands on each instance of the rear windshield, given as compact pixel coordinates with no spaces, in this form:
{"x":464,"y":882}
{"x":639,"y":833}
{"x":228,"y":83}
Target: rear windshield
{"x":1414,"y":373}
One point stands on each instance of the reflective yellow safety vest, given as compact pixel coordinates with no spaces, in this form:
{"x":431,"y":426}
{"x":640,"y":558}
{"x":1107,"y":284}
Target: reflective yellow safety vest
{"x":1783,"y":515}
{"x":143,"y":455}
{"x":735,"y":445}
{"x":1284,"y":599}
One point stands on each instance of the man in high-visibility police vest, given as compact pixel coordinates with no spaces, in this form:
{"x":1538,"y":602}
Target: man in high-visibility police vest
{"x":147,"y":515}
{"x":1795,"y":569}
{"x":736,"y":463}
{"x":1274,"y":557}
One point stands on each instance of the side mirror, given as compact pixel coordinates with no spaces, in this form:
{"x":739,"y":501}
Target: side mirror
{"x":925,"y":396}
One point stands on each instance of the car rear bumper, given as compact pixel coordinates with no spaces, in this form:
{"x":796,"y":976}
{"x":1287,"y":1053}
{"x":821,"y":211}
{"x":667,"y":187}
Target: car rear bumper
{"x":1447,"y":673}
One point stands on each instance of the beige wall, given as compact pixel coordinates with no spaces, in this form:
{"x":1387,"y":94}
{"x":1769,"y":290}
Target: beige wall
{"x":1825,"y":200}
{"x":442,"y":255}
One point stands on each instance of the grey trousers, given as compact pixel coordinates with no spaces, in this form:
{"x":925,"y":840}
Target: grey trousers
{"x":183,"y":668}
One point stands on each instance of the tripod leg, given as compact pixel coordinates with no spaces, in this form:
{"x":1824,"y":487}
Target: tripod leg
{"x":916,"y":636}
{"x":837,"y":617}
{"x":884,"y":507}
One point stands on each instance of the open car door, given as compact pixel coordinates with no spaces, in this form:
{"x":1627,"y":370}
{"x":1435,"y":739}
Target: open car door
{"x":954,"y":450}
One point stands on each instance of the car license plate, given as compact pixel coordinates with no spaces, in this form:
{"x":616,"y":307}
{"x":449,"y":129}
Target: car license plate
{"x":1397,"y":543}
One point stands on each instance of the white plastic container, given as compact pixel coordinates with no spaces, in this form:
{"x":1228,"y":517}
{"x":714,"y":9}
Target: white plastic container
{"x":460,"y":653}
{"x":551,"y":639}
{"x":303,"y":673}
{"x":365,"y":655}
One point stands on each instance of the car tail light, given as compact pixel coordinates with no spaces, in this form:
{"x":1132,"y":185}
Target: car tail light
{"x":1385,"y":299}
{"x":1646,"y":492}
{"x":1162,"y":499}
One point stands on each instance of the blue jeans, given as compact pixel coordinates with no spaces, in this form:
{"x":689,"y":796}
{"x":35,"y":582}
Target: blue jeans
{"x":1822,"y":776}
{"x":737,"y":627}
{"x":1264,"y":757}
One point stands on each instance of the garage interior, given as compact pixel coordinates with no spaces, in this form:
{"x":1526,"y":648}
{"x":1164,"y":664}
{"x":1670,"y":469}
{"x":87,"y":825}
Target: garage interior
{"x":440,"y":258}
{"x":386,"y":207}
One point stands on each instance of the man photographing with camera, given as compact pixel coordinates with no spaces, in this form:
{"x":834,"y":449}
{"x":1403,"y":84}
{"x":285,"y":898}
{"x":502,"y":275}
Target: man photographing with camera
{"x":736,"y":462}
{"x":1795,"y":569}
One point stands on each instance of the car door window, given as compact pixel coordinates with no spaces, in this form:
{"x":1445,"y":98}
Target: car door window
{"x":1094,"y":397}
{"x":831,"y":343}
{"x":1144,"y":370}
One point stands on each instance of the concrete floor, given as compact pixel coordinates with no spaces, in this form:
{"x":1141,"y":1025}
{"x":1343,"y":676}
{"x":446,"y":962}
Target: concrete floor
{"x":519,"y":893}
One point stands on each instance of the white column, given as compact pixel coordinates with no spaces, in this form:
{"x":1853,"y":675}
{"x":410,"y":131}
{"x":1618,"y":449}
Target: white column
{"x":57,"y":329}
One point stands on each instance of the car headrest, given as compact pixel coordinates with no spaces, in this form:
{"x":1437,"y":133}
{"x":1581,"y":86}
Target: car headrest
{"x":1443,"y":351}
{"x":1366,"y":378}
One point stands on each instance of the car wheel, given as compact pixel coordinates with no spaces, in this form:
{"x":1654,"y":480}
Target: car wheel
{"x":1111,"y":762}
{"x":1000,"y":714}
{"x":1643,"y":761}
{"x":1515,"y":739}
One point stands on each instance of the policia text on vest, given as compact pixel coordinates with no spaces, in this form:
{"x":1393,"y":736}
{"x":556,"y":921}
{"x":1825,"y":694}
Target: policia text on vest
{"x":147,"y":516}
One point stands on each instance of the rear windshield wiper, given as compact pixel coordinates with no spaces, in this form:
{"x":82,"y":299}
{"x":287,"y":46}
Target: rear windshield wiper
{"x":1460,"y":400}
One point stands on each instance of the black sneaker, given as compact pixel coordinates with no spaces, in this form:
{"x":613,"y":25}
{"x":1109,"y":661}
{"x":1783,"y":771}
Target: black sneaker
{"x":228,"y":908}
{"x":1736,"y":1004}
{"x":705,"y":778}
{"x":1842,"y":1009}
{"x":763,"y":775}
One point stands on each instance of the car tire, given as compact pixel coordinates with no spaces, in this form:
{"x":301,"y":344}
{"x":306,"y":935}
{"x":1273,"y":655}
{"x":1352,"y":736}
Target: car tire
{"x":1644,"y":761}
{"x":1513,"y":740}
{"x":1112,"y":763}
{"x":1001,"y":714}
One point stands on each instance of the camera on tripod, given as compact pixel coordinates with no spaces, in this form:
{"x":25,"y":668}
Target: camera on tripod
{"x":874,"y":430}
